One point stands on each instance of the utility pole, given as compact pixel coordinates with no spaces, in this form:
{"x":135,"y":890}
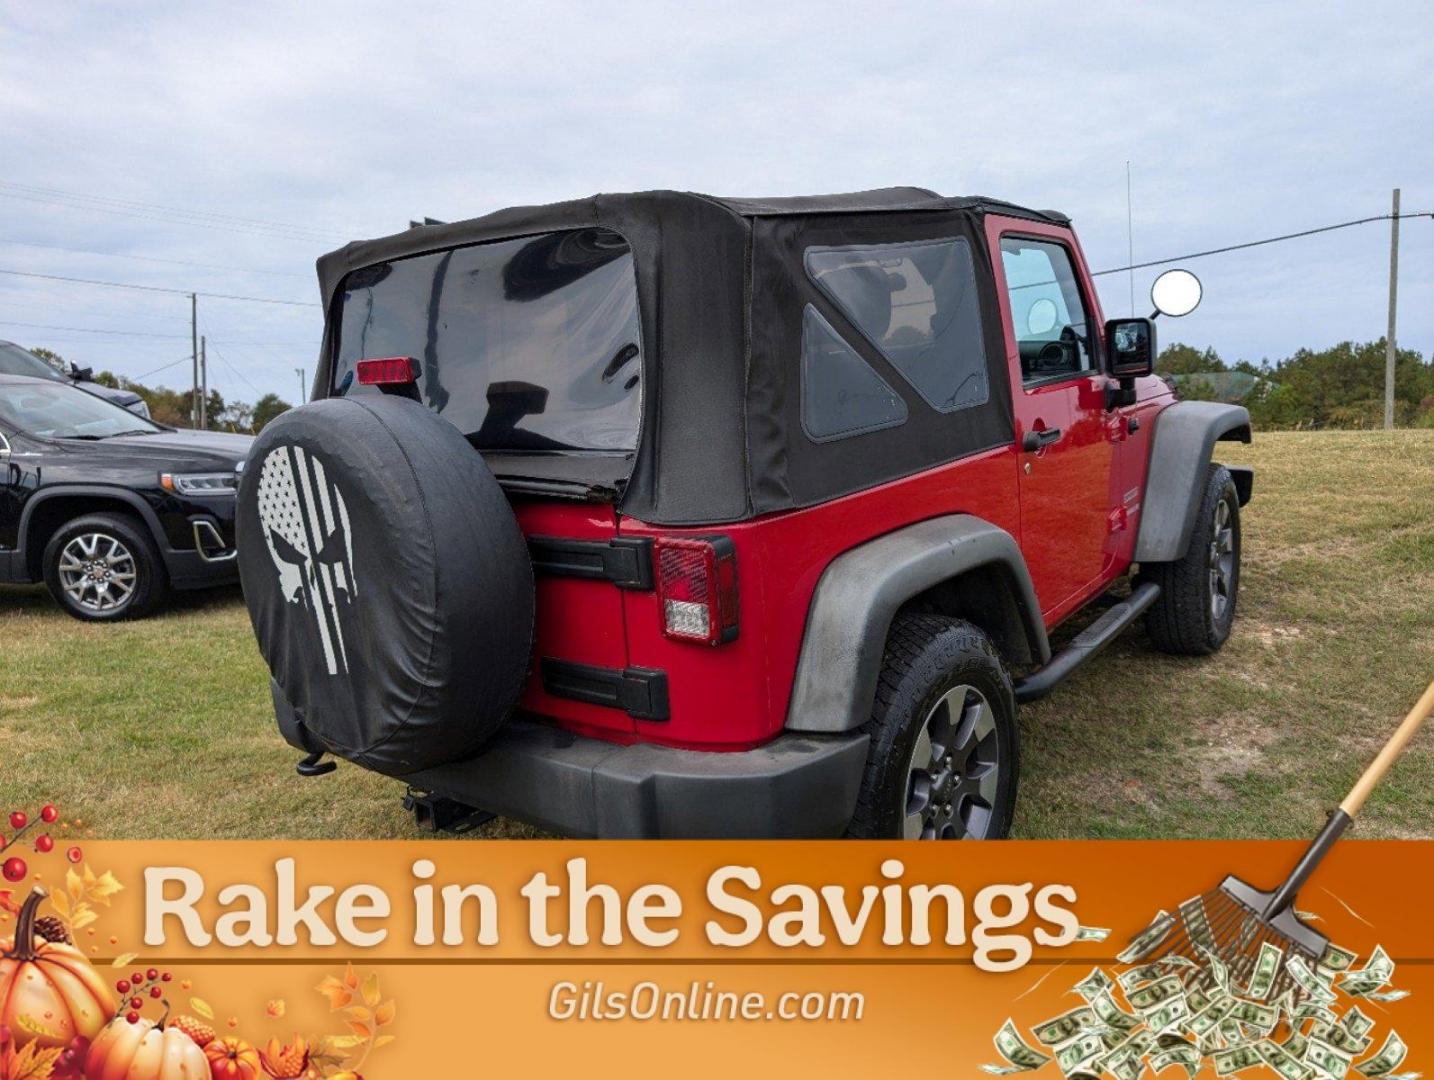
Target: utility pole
{"x":194,"y":344}
{"x":1389,"y":345}
{"x":203,"y":384}
{"x":303,"y":386}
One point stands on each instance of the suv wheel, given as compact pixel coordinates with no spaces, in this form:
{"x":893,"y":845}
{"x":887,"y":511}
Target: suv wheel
{"x":104,"y":567}
{"x":1196,"y":607}
{"x":943,"y":760}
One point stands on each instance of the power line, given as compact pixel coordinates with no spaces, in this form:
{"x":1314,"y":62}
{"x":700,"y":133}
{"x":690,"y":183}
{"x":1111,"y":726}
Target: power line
{"x":156,"y":371}
{"x":109,"y":204}
{"x":154,"y":259}
{"x":1257,"y":243}
{"x":159,"y":289}
{"x":90,"y":330}
{"x":234,"y":371}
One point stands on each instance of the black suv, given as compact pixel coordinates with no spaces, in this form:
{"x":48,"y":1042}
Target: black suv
{"x":108,"y":509}
{"x":17,"y":361}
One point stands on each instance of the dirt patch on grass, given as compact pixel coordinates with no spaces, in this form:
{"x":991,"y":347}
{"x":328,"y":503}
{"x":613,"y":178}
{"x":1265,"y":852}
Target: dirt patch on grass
{"x":1229,"y":746}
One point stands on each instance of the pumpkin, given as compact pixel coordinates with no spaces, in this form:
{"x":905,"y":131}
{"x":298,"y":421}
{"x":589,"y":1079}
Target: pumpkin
{"x":232,"y":1059}
{"x":49,"y":994}
{"x":144,"y":1050}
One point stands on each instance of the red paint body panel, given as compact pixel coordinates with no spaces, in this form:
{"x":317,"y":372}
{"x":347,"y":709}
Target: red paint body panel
{"x":1075,"y":514}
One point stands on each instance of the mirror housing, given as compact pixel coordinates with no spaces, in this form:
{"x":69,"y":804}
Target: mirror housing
{"x":1129,"y":348}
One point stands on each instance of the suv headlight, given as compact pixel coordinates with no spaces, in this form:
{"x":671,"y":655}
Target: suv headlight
{"x":200,"y":483}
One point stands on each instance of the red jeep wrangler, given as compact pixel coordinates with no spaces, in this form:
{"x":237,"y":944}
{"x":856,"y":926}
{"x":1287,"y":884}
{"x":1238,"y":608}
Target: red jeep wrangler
{"x":668,"y":515}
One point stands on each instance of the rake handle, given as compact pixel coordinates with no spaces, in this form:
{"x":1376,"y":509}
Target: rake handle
{"x":1342,"y":818}
{"x":1354,"y":801}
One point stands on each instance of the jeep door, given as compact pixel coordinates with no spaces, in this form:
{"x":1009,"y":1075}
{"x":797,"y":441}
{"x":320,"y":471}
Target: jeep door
{"x":1064,"y":446}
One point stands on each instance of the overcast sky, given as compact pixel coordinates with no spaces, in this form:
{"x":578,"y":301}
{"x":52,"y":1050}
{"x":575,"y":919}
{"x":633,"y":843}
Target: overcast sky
{"x":161,"y":126}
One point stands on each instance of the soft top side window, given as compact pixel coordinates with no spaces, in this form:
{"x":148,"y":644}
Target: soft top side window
{"x":917,"y":303}
{"x":1047,"y":312}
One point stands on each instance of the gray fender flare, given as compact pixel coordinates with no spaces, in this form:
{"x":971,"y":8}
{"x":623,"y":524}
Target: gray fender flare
{"x":1185,"y":437}
{"x":860,"y":592}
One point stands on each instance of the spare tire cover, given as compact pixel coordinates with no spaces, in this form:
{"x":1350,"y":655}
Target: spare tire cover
{"x":387,"y":580}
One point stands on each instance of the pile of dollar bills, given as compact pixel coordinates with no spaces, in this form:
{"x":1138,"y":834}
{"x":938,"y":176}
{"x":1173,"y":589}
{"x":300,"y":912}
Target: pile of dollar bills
{"x":1302,"y":1020}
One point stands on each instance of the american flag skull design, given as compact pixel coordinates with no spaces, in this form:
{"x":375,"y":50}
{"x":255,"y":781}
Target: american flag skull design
{"x":306,"y":528}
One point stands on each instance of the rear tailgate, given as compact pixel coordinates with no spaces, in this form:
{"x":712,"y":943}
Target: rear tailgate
{"x":579,"y":620}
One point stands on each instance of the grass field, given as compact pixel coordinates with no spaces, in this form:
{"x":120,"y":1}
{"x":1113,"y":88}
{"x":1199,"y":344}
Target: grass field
{"x":162,"y":728}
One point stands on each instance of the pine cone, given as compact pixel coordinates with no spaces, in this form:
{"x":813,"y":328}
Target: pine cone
{"x":52,"y":929}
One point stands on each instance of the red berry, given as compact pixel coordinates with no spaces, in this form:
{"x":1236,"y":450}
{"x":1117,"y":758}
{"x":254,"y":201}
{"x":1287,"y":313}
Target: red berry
{"x":165,"y":977}
{"x":152,"y":974}
{"x":19,"y":819}
{"x":155,"y":992}
{"x":14,"y":869}
{"x":44,"y":844}
{"x":74,"y":854}
{"x":137,"y":978}
{"x":48,"y":813}
{"x":136,"y":1003}
{"x":122,"y":986}
{"x":132,"y":1017}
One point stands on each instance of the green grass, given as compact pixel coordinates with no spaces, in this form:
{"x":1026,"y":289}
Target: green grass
{"x":163,"y":728}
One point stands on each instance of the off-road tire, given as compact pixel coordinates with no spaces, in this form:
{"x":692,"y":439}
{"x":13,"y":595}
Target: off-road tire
{"x":150,"y":583}
{"x":1182,"y":620}
{"x":926,"y":657}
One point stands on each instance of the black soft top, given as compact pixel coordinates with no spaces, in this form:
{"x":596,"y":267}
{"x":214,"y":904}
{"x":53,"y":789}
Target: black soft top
{"x":722,"y":290}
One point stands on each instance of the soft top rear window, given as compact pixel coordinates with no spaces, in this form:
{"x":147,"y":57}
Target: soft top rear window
{"x":529,"y":345}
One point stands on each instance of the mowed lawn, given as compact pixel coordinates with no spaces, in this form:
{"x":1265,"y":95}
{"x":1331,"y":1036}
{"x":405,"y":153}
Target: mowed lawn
{"x":162,"y":728}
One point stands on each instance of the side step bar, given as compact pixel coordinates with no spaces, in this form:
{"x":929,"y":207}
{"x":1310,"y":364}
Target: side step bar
{"x":1087,"y":643}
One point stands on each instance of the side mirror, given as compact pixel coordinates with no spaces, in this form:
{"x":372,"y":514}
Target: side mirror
{"x":1129,"y":348}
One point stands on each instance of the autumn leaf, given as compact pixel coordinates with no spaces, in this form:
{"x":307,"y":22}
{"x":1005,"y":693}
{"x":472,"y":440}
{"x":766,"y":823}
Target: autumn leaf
{"x":7,"y":902}
{"x":74,"y":885}
{"x":32,"y":1063}
{"x":276,"y":1008}
{"x":383,"y":1040}
{"x":101,"y":889}
{"x":61,"y":903}
{"x":351,"y":979}
{"x":84,"y":915}
{"x":363,"y":1031}
{"x":371,"y":993}
{"x":383,"y":1015}
{"x":123,"y":960}
{"x":338,"y":994}
{"x":202,"y":1007}
{"x":359,"y":1013}
{"x":336,"y":1043}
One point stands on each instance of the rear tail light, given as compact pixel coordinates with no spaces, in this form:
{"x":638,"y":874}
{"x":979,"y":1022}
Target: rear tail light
{"x":697,"y":587}
{"x":388,"y":371}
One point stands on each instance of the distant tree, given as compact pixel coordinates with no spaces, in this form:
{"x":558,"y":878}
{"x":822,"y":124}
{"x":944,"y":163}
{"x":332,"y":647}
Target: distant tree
{"x":51,"y":357}
{"x":107,"y":378}
{"x":1179,"y":359}
{"x":1343,"y":386}
{"x":266,"y":408}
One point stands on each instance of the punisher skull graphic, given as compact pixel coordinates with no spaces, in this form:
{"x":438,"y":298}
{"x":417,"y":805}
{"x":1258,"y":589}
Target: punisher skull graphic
{"x":306,"y":528}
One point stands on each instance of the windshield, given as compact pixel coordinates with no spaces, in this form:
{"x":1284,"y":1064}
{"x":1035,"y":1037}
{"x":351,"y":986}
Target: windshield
{"x":56,"y":410}
{"x":17,"y":361}
{"x":530,"y":344}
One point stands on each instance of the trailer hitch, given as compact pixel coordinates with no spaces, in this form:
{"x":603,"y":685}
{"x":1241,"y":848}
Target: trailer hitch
{"x":438,"y":813}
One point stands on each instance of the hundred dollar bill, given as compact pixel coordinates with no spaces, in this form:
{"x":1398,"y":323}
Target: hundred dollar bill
{"x":1092,"y":933}
{"x":1013,"y":1048}
{"x":1313,"y":1010}
{"x":1094,"y":984}
{"x":1208,"y":1019}
{"x":1391,"y":1055}
{"x":1337,"y":959}
{"x":1168,"y":1015}
{"x":1262,"y":1017}
{"x":1112,"y":1015}
{"x":1197,"y":998}
{"x":1340,"y":1038}
{"x":1281,"y":1060}
{"x":1355,"y":1022}
{"x":1267,"y":966}
{"x":1197,"y":923}
{"x":1375,"y":974}
{"x":1184,"y":1055}
{"x":1236,"y":1059}
{"x":1308,"y":981}
{"x":1072,"y":1057}
{"x":1296,"y":1044}
{"x":1149,"y":939}
{"x":1388,"y":995}
{"x":1144,"y":973}
{"x":1329,"y":1060}
{"x":1063,"y":1028}
{"x":1151,"y":996}
{"x":1217,"y":969}
{"x":1232,"y":1033}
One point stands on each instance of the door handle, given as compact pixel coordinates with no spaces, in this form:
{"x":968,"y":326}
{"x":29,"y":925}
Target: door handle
{"x":1036,"y":440}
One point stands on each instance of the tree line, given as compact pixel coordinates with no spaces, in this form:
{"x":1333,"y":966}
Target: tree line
{"x":172,"y":407}
{"x":1338,"y":387}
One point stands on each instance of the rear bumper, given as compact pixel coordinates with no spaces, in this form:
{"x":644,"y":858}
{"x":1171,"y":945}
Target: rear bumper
{"x":795,"y":787}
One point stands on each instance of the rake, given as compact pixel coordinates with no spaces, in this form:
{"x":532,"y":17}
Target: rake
{"x":1233,"y":922}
